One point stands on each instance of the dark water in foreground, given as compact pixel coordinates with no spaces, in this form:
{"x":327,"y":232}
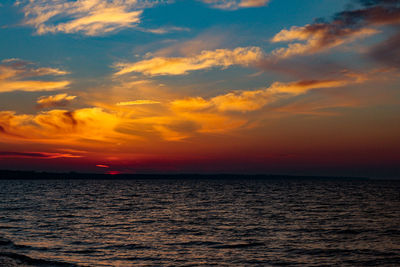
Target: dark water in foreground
{"x":201,"y":222}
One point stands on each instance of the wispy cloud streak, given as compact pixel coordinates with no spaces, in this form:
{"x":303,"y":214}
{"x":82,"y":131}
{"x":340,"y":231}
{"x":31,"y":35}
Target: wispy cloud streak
{"x":36,"y":155}
{"x":182,"y":65}
{"x":90,"y":17}
{"x":19,"y":75}
{"x":235,"y":4}
{"x":59,"y":100}
{"x":137,"y":102}
{"x":245,"y":101}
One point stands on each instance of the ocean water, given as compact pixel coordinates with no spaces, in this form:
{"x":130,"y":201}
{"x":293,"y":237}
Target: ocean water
{"x":200,"y":222}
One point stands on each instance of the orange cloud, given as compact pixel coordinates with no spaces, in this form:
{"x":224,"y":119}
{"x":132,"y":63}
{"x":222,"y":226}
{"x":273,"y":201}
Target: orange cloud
{"x":182,"y":65}
{"x":179,"y":124}
{"x":181,"y":118}
{"x":14,"y":74}
{"x":90,"y":17}
{"x":244,"y":101}
{"x":38,"y":155}
{"x":59,"y":100}
{"x":32,"y":86}
{"x":191,"y":104}
{"x":90,"y":123}
{"x":60,"y":126}
{"x":317,"y":37}
{"x":304,"y":86}
{"x":137,"y":102}
{"x":215,"y":115}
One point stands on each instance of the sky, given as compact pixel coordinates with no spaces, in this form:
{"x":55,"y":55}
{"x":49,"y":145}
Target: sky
{"x":307,"y":87}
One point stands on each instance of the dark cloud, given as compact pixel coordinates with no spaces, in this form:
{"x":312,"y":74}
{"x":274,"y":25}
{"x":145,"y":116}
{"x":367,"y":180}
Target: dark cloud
{"x":69,"y":118}
{"x":375,"y":12}
{"x":345,"y":26}
{"x":184,"y":126}
{"x":301,"y":67}
{"x":38,"y":155}
{"x":24,"y":154}
{"x":380,"y":12}
{"x":388,"y":52}
{"x":377,"y":2}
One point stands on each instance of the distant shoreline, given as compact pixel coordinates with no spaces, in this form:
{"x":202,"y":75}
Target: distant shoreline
{"x":37,"y":175}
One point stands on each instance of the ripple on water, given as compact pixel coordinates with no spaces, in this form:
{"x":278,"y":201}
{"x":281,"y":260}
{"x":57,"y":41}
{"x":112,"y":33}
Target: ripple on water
{"x":199,"y":223}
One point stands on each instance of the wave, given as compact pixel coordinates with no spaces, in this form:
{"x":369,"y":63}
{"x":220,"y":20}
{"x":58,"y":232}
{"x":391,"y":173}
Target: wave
{"x":19,"y":259}
{"x":10,"y":258}
{"x":195,"y":243}
{"x":241,"y":245}
{"x":127,"y":247}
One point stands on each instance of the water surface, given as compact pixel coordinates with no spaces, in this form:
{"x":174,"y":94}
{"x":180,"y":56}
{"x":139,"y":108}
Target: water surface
{"x":202,"y":222}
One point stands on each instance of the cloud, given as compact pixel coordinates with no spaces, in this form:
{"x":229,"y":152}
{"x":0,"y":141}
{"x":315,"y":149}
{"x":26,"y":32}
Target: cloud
{"x":182,"y":65}
{"x":32,"y":86}
{"x":92,"y":125}
{"x":346,"y":27}
{"x":191,"y":104}
{"x":317,"y":37}
{"x":245,"y":101}
{"x":225,"y":112}
{"x":164,"y":30}
{"x":137,"y":102}
{"x":102,"y":166}
{"x":37,"y":155}
{"x":304,"y":86}
{"x":90,"y":17}
{"x":242,"y":101}
{"x":180,"y":124}
{"x":375,"y":12}
{"x":209,"y":40}
{"x":178,"y":120}
{"x":60,"y":100}
{"x":387,"y":52}
{"x":60,"y":126}
{"x":16,"y":75}
{"x":235,"y":4}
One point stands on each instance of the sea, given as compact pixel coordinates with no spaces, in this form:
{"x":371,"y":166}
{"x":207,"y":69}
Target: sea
{"x":200,"y":222}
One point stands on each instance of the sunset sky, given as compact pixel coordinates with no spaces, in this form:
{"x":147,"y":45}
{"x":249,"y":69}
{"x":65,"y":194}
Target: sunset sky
{"x":234,"y":86}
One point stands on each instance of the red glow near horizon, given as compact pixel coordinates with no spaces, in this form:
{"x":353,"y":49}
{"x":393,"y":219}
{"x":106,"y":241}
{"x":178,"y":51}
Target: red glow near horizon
{"x":113,"y":172}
